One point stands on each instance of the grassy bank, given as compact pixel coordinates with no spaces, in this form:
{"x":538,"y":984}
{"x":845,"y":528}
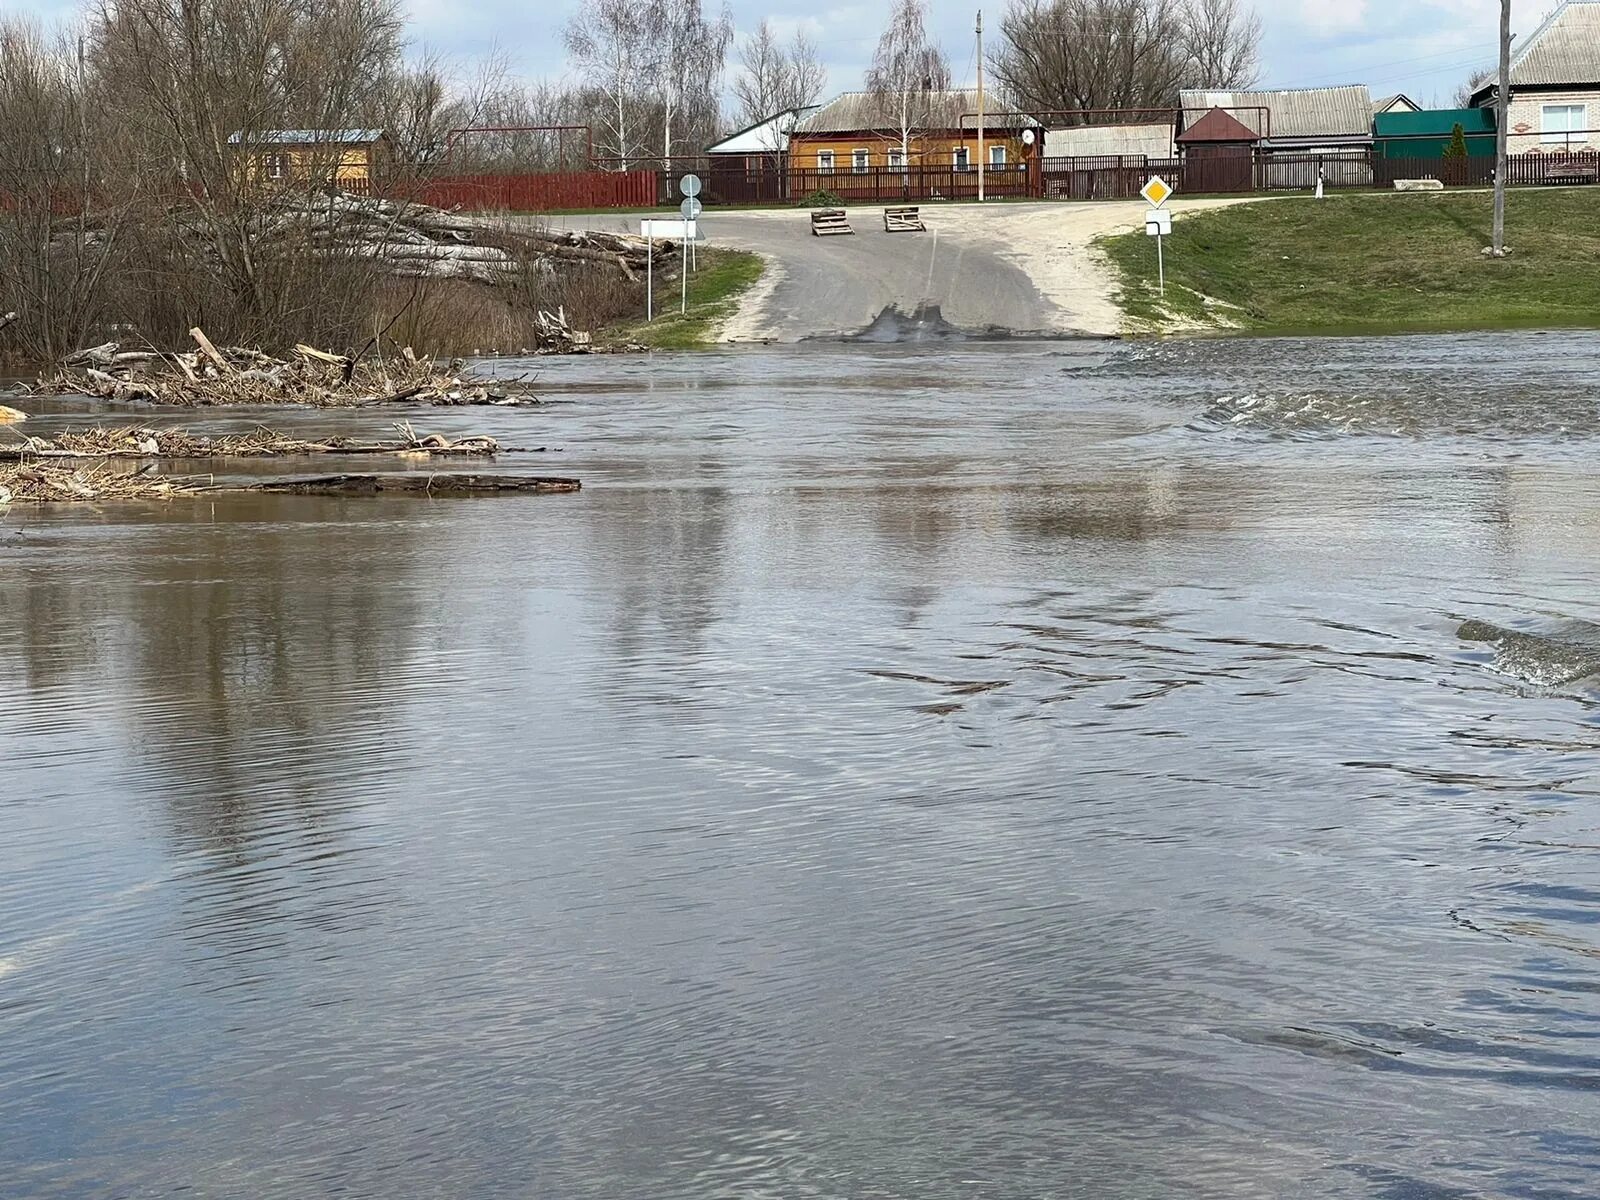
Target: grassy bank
{"x":714,"y":292}
{"x":1370,"y":262}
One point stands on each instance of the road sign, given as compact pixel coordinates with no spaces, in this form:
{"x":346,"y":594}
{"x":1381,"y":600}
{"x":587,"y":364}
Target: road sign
{"x":1157,"y":191}
{"x":691,"y":208}
{"x":690,"y":185}
{"x":1158,"y":222}
{"x":675,"y":230}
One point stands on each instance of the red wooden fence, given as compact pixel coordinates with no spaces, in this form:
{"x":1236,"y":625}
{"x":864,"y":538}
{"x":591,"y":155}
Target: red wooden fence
{"x":541,"y":193}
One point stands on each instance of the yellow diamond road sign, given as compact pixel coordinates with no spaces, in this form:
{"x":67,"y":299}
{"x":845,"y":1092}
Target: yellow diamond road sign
{"x":1156,"y":191}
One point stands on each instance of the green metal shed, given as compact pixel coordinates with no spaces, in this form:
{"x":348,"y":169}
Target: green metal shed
{"x":1426,"y":134}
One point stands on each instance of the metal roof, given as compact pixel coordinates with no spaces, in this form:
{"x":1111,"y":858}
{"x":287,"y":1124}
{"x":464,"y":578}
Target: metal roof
{"x":1394,"y":104}
{"x":1216,"y":128}
{"x":1563,"y":50}
{"x":307,"y":137}
{"x":865,"y":112}
{"x":764,"y":137}
{"x":1297,"y":113}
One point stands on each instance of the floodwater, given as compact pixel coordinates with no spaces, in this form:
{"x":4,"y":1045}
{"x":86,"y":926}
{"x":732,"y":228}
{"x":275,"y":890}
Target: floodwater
{"x":952,"y":771}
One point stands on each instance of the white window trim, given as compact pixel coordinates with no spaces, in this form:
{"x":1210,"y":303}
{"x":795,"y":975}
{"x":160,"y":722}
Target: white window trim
{"x":825,"y":162}
{"x":860,"y":161}
{"x":1568,"y":132}
{"x":997,"y":158}
{"x":961,"y":158}
{"x":897,"y":160}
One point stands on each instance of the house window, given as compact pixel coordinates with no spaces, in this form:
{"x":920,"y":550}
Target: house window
{"x":860,"y":160}
{"x":897,"y":160}
{"x":275,"y":166}
{"x":961,"y":157}
{"x":824,"y":162}
{"x":1564,"y":124}
{"x":997,"y":157}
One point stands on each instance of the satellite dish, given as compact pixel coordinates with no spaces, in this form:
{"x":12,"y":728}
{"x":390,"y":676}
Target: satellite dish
{"x":1027,"y":137}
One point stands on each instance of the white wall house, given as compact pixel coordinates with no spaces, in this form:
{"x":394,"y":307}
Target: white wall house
{"x":1555,"y":84}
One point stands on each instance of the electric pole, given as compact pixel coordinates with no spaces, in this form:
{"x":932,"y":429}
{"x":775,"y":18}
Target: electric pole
{"x":980,"y":106}
{"x":1502,"y":119}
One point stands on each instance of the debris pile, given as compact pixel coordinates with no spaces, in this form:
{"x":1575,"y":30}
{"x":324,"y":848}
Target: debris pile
{"x":46,"y":482}
{"x":142,"y":443}
{"x":235,"y":375}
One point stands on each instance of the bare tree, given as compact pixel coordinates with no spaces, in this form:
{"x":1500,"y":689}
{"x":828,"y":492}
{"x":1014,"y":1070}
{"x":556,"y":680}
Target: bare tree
{"x":617,"y":45}
{"x":775,"y":78}
{"x":1502,"y":108}
{"x":909,"y":73}
{"x":694,"y":54}
{"x":1077,"y":56}
{"x":60,"y":228}
{"x":1223,"y":42}
{"x":1474,"y":84}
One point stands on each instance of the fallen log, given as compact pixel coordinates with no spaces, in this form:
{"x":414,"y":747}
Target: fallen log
{"x":412,"y":484}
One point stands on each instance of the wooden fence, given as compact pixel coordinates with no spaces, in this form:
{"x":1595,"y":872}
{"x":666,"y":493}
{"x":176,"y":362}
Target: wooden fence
{"x":544,"y":192}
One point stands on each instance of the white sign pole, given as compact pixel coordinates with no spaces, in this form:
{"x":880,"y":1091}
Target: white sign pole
{"x":1161,"y":265}
{"x":683,"y":270}
{"x":650,"y":276}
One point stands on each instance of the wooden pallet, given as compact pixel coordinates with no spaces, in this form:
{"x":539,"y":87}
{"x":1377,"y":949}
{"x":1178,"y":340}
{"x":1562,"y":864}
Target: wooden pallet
{"x":905,"y":219}
{"x":830,"y":222}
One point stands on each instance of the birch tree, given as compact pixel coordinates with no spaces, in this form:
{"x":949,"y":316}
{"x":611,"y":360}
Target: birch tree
{"x":617,"y":46}
{"x":694,"y":54}
{"x":909,"y":72}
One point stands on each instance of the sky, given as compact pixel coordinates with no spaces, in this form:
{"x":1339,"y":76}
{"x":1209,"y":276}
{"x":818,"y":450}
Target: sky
{"x":1424,"y":48}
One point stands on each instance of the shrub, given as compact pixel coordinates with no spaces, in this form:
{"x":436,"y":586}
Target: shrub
{"x":822,"y":198}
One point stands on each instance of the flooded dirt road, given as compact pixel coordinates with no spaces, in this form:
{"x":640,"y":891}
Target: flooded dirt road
{"x":1044,"y":770}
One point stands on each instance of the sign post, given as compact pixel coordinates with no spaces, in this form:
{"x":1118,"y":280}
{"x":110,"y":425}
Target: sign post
{"x":683,"y":232}
{"x":691,"y":210}
{"x":690,"y":187}
{"x":1158,"y":223}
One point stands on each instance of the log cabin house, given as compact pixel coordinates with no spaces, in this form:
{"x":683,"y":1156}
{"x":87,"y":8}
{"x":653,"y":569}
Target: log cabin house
{"x":854,"y":148}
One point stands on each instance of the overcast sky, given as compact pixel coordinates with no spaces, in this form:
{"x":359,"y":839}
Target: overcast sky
{"x":1421,"y":47}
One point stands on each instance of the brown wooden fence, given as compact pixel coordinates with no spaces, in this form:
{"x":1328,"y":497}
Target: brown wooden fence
{"x":545,"y":192}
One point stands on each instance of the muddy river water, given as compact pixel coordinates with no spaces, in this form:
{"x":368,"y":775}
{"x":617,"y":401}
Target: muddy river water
{"x":951,"y":771}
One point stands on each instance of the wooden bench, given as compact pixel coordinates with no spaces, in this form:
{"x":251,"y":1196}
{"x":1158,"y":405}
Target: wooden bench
{"x":1574,"y":172}
{"x":905,"y":219}
{"x":829,"y":222}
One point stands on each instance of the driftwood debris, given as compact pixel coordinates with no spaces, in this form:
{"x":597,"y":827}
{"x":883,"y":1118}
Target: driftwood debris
{"x":135,"y":442}
{"x":54,"y":482}
{"x":234,"y":375}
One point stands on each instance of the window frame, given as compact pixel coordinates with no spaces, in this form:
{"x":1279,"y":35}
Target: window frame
{"x":860,"y":161}
{"x":826,"y":162}
{"x":897,"y":160}
{"x":961,"y":160}
{"x":1575,"y":111}
{"x":998,"y":157}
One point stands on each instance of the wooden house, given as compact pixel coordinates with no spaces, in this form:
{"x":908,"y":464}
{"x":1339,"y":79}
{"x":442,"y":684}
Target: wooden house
{"x":854,"y":147}
{"x":347,"y":158}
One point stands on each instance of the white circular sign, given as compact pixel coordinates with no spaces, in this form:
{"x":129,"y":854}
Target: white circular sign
{"x":691,"y":209}
{"x":1027,"y":137}
{"x":689,"y":185}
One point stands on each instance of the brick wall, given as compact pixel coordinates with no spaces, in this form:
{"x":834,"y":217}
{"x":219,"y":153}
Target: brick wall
{"x":1526,"y":121}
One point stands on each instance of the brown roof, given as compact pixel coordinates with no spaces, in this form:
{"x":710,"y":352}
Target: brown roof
{"x":1217,"y":126}
{"x":864,"y":112}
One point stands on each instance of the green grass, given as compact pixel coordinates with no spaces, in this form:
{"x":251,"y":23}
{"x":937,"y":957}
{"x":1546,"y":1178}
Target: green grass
{"x":1364,"y":263}
{"x":714,"y":292}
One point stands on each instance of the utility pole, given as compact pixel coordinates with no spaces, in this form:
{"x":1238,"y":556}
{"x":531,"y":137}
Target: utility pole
{"x":980,"y":106}
{"x":1502,"y":119}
